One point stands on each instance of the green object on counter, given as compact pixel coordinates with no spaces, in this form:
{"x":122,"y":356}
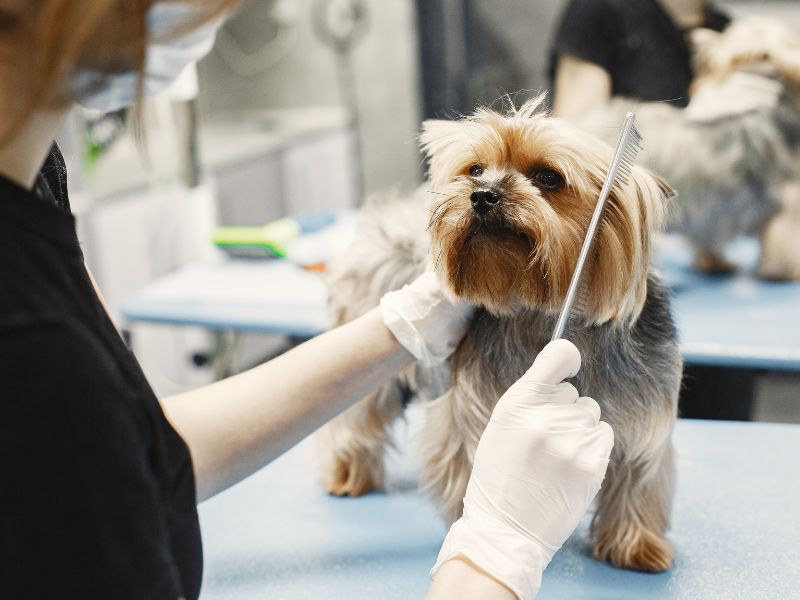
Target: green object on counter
{"x":271,"y":239}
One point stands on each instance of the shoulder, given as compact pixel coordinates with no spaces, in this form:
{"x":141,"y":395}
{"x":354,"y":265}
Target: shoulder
{"x":591,"y":13}
{"x":588,"y":30}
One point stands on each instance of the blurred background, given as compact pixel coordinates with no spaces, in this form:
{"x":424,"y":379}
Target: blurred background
{"x":304,"y":105}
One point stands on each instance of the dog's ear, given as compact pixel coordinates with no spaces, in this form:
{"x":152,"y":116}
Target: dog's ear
{"x":654,"y":196}
{"x":669,"y":192}
{"x":437,"y":134}
{"x":635,"y":211}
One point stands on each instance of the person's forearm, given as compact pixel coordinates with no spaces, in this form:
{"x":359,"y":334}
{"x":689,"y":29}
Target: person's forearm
{"x":580,"y":88}
{"x":461,"y":580}
{"x":236,"y":426}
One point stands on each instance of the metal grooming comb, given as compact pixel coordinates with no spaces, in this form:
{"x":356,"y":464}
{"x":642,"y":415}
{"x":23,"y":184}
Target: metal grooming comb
{"x":577,"y":299}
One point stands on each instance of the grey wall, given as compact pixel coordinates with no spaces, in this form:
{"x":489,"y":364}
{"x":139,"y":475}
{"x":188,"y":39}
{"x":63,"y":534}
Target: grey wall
{"x":385,"y":72}
{"x":508,"y":54}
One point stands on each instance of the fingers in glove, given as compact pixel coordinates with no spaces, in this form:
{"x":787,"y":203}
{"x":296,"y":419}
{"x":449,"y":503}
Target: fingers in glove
{"x":557,"y":361}
{"x":590,"y":406}
{"x":604,"y":438}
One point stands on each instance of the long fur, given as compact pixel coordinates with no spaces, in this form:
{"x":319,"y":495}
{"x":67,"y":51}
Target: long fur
{"x":514,"y":264}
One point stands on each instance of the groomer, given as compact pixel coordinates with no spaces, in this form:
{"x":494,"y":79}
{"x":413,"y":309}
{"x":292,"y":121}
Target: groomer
{"x":607,"y":48}
{"x":98,"y":478}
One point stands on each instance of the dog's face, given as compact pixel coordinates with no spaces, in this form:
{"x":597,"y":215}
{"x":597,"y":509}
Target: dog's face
{"x":512,"y":197}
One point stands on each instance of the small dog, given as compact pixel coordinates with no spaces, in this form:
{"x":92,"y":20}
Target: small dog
{"x":511,"y":196}
{"x":736,"y":174}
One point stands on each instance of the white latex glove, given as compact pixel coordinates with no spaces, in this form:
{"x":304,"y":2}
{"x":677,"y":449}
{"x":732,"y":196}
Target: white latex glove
{"x":424,"y":320}
{"x":739,"y":93}
{"x":537,"y":468}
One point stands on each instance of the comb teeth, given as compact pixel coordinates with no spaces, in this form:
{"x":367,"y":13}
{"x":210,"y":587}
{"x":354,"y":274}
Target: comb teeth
{"x":630,"y":150}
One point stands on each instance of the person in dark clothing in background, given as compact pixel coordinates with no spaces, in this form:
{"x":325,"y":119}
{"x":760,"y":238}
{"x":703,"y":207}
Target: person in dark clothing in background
{"x":605,"y":48}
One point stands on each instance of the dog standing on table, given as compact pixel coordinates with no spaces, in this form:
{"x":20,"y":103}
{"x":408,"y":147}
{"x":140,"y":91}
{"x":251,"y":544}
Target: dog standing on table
{"x":510,"y":200}
{"x":733,"y":154}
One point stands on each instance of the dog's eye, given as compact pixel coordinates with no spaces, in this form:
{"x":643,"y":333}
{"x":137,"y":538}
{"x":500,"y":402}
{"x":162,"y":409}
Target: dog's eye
{"x":475,"y":171}
{"x":547,"y":178}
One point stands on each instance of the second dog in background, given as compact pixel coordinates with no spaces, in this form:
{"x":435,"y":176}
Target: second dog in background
{"x":733,"y":154}
{"x":502,"y":220}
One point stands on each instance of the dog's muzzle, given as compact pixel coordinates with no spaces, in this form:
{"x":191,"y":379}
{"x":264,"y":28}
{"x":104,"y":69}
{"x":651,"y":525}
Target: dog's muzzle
{"x":485,"y":199}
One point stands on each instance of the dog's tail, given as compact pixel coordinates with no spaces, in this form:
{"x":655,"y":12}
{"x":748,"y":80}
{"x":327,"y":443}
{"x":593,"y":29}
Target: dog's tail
{"x":388,"y":251}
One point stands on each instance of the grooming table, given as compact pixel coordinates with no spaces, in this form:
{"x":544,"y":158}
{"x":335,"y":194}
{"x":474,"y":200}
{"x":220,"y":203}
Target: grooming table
{"x":251,"y":295}
{"x":731,"y":321}
{"x":736,"y":529}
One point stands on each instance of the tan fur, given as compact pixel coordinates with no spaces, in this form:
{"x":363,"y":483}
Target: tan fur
{"x":780,"y":239}
{"x":745,"y":43}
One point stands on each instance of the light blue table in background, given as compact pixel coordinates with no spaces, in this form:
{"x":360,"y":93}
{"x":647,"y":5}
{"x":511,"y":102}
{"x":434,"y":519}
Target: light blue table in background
{"x":733,"y":321}
{"x":736,"y":530}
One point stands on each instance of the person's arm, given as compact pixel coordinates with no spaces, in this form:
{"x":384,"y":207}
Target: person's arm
{"x":460,"y":579}
{"x":580,"y":87}
{"x":236,"y":426}
{"x":583,"y":56}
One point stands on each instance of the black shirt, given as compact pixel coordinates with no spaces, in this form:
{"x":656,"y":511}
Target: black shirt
{"x":97,"y":494}
{"x":637,"y":42}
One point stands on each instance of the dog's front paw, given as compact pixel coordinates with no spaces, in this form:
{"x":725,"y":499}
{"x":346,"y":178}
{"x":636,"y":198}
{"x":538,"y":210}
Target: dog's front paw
{"x":351,"y":477}
{"x":780,"y":249}
{"x":639,"y":551}
{"x":711,"y":263}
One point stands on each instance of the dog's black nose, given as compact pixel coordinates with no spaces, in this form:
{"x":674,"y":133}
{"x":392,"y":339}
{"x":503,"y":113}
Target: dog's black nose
{"x":484,"y":200}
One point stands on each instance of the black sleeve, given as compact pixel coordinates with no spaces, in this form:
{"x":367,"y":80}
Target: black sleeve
{"x":589,"y":30}
{"x":80,"y":510}
{"x":716,"y":18}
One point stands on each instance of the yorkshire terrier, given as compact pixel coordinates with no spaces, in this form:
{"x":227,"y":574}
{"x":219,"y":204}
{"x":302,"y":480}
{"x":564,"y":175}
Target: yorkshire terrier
{"x":509,"y":199}
{"x":736,"y":174}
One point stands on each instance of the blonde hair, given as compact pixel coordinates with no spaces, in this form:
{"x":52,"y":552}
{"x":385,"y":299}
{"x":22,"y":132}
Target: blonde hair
{"x":44,"y":40}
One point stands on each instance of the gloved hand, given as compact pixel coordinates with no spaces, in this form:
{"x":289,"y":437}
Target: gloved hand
{"x":538,"y":466}
{"x":424,"y":320}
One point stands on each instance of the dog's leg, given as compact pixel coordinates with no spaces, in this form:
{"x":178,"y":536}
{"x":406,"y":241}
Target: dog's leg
{"x":455,"y":423}
{"x":713,"y":263}
{"x":633,"y":509}
{"x":355,"y":443}
{"x":780,"y":239}
{"x":448,"y":458}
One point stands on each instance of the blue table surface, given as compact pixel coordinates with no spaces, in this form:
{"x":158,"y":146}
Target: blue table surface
{"x":736,"y":530}
{"x":732,"y":320}
{"x":735,"y":320}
